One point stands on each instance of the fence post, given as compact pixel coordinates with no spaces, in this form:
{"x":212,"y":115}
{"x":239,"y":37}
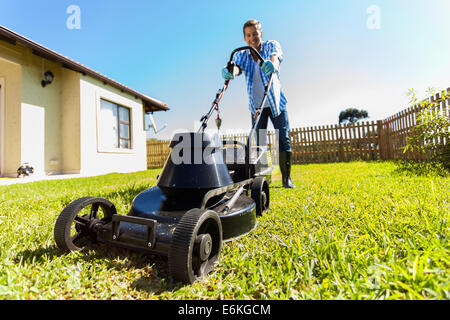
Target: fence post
{"x":381,"y":140}
{"x":341,"y":149}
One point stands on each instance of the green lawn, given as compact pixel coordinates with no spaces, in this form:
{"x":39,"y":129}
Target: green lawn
{"x":348,"y":231}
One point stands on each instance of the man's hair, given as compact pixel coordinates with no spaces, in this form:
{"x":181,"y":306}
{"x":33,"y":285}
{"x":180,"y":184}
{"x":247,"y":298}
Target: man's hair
{"x":252,"y":23}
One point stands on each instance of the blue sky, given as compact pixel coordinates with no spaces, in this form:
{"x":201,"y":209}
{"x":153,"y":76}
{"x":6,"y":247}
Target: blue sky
{"x":174,"y":51}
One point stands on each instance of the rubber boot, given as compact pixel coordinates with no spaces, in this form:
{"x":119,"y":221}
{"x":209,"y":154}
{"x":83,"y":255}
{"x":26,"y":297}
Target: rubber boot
{"x":285,"y":168}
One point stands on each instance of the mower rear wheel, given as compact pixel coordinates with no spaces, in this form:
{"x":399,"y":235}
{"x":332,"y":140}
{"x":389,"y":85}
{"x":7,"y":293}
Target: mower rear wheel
{"x":196,"y":245}
{"x":77,"y":224}
{"x":261,"y":195}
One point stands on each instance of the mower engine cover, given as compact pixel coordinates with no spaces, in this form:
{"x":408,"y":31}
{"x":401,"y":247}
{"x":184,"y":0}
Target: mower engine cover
{"x":195,"y":162}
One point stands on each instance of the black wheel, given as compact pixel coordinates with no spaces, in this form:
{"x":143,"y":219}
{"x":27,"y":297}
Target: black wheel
{"x":261,"y":195}
{"x":77,"y":224}
{"x":196,"y":245}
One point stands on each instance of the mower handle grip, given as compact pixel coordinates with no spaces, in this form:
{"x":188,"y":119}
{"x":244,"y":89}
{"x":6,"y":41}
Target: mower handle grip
{"x":231,"y":64}
{"x":258,"y":55}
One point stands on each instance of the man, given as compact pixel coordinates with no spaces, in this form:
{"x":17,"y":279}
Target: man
{"x":257,"y":78}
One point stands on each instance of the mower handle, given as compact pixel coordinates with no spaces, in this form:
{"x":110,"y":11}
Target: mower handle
{"x":258,"y":55}
{"x":219,"y":95}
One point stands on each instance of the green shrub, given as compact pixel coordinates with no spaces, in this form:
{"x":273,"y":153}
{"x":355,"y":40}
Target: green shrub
{"x":431,"y":133}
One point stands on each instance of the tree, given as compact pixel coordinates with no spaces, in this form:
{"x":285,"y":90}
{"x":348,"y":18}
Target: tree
{"x":352,"y":115}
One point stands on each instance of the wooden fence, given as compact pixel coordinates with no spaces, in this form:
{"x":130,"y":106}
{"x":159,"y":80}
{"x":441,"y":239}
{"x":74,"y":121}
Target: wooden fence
{"x":369,"y":140}
{"x":157,"y":153}
{"x":335,"y":143}
{"x":396,"y":129}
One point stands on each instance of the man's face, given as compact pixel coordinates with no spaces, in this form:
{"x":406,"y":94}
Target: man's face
{"x":252,"y":36}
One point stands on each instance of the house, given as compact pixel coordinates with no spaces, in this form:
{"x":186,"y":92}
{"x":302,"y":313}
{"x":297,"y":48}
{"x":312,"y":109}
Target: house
{"x":62,"y":117}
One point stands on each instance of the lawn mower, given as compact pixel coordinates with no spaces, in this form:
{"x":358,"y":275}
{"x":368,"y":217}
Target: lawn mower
{"x":209,"y":191}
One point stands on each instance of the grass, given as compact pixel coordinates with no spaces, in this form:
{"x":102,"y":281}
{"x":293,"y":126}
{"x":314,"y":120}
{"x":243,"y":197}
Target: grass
{"x":348,"y":231}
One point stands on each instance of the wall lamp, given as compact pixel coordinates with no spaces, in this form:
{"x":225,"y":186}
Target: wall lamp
{"x":48,"y":78}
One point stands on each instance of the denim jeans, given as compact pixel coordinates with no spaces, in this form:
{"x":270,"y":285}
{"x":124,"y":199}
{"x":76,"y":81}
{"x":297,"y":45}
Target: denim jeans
{"x":280,"y":123}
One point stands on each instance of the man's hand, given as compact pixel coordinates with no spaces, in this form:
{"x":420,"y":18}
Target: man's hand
{"x":268,"y":67}
{"x":227,"y":75}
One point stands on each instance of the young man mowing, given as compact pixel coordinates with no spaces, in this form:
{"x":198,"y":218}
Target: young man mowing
{"x":257,"y":78}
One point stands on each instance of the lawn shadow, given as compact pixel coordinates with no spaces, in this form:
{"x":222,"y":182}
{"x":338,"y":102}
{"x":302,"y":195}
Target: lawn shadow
{"x":39,"y":255}
{"x":156,"y":278}
{"x":420,"y":169}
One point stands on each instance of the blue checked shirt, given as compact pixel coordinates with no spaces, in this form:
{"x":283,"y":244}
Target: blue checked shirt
{"x":276,"y":97}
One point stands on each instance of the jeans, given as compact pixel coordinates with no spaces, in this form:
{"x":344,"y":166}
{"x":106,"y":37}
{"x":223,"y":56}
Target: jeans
{"x":280,"y":123}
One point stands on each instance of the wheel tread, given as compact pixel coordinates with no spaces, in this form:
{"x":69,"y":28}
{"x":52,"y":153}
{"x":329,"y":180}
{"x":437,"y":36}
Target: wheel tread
{"x":182,"y":245}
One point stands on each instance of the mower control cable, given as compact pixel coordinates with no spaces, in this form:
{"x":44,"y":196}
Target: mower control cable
{"x":215,"y":106}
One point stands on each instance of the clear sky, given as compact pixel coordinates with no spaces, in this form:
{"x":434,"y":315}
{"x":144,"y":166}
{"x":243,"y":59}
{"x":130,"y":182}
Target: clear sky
{"x":337,"y":54}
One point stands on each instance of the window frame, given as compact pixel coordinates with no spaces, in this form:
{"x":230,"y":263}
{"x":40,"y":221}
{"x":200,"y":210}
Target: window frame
{"x":118,"y":137}
{"x":119,"y":122}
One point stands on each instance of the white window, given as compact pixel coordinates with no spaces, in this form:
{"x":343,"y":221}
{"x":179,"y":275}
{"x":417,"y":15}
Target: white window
{"x":114,"y":126}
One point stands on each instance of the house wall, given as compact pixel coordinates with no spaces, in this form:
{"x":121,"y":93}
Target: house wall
{"x":55,"y":128}
{"x":41,"y":115}
{"x":70,"y":122}
{"x":11,"y":73}
{"x":2,"y":112}
{"x":95,"y":160}
{"x":31,"y":130}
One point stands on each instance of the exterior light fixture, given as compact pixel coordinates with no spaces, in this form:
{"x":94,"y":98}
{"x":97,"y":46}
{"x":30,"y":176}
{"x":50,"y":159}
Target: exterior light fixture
{"x":48,"y":78}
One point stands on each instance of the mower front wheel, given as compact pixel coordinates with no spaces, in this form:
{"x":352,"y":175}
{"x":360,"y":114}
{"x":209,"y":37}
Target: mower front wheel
{"x":196,"y":245}
{"x":78,"y":223}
